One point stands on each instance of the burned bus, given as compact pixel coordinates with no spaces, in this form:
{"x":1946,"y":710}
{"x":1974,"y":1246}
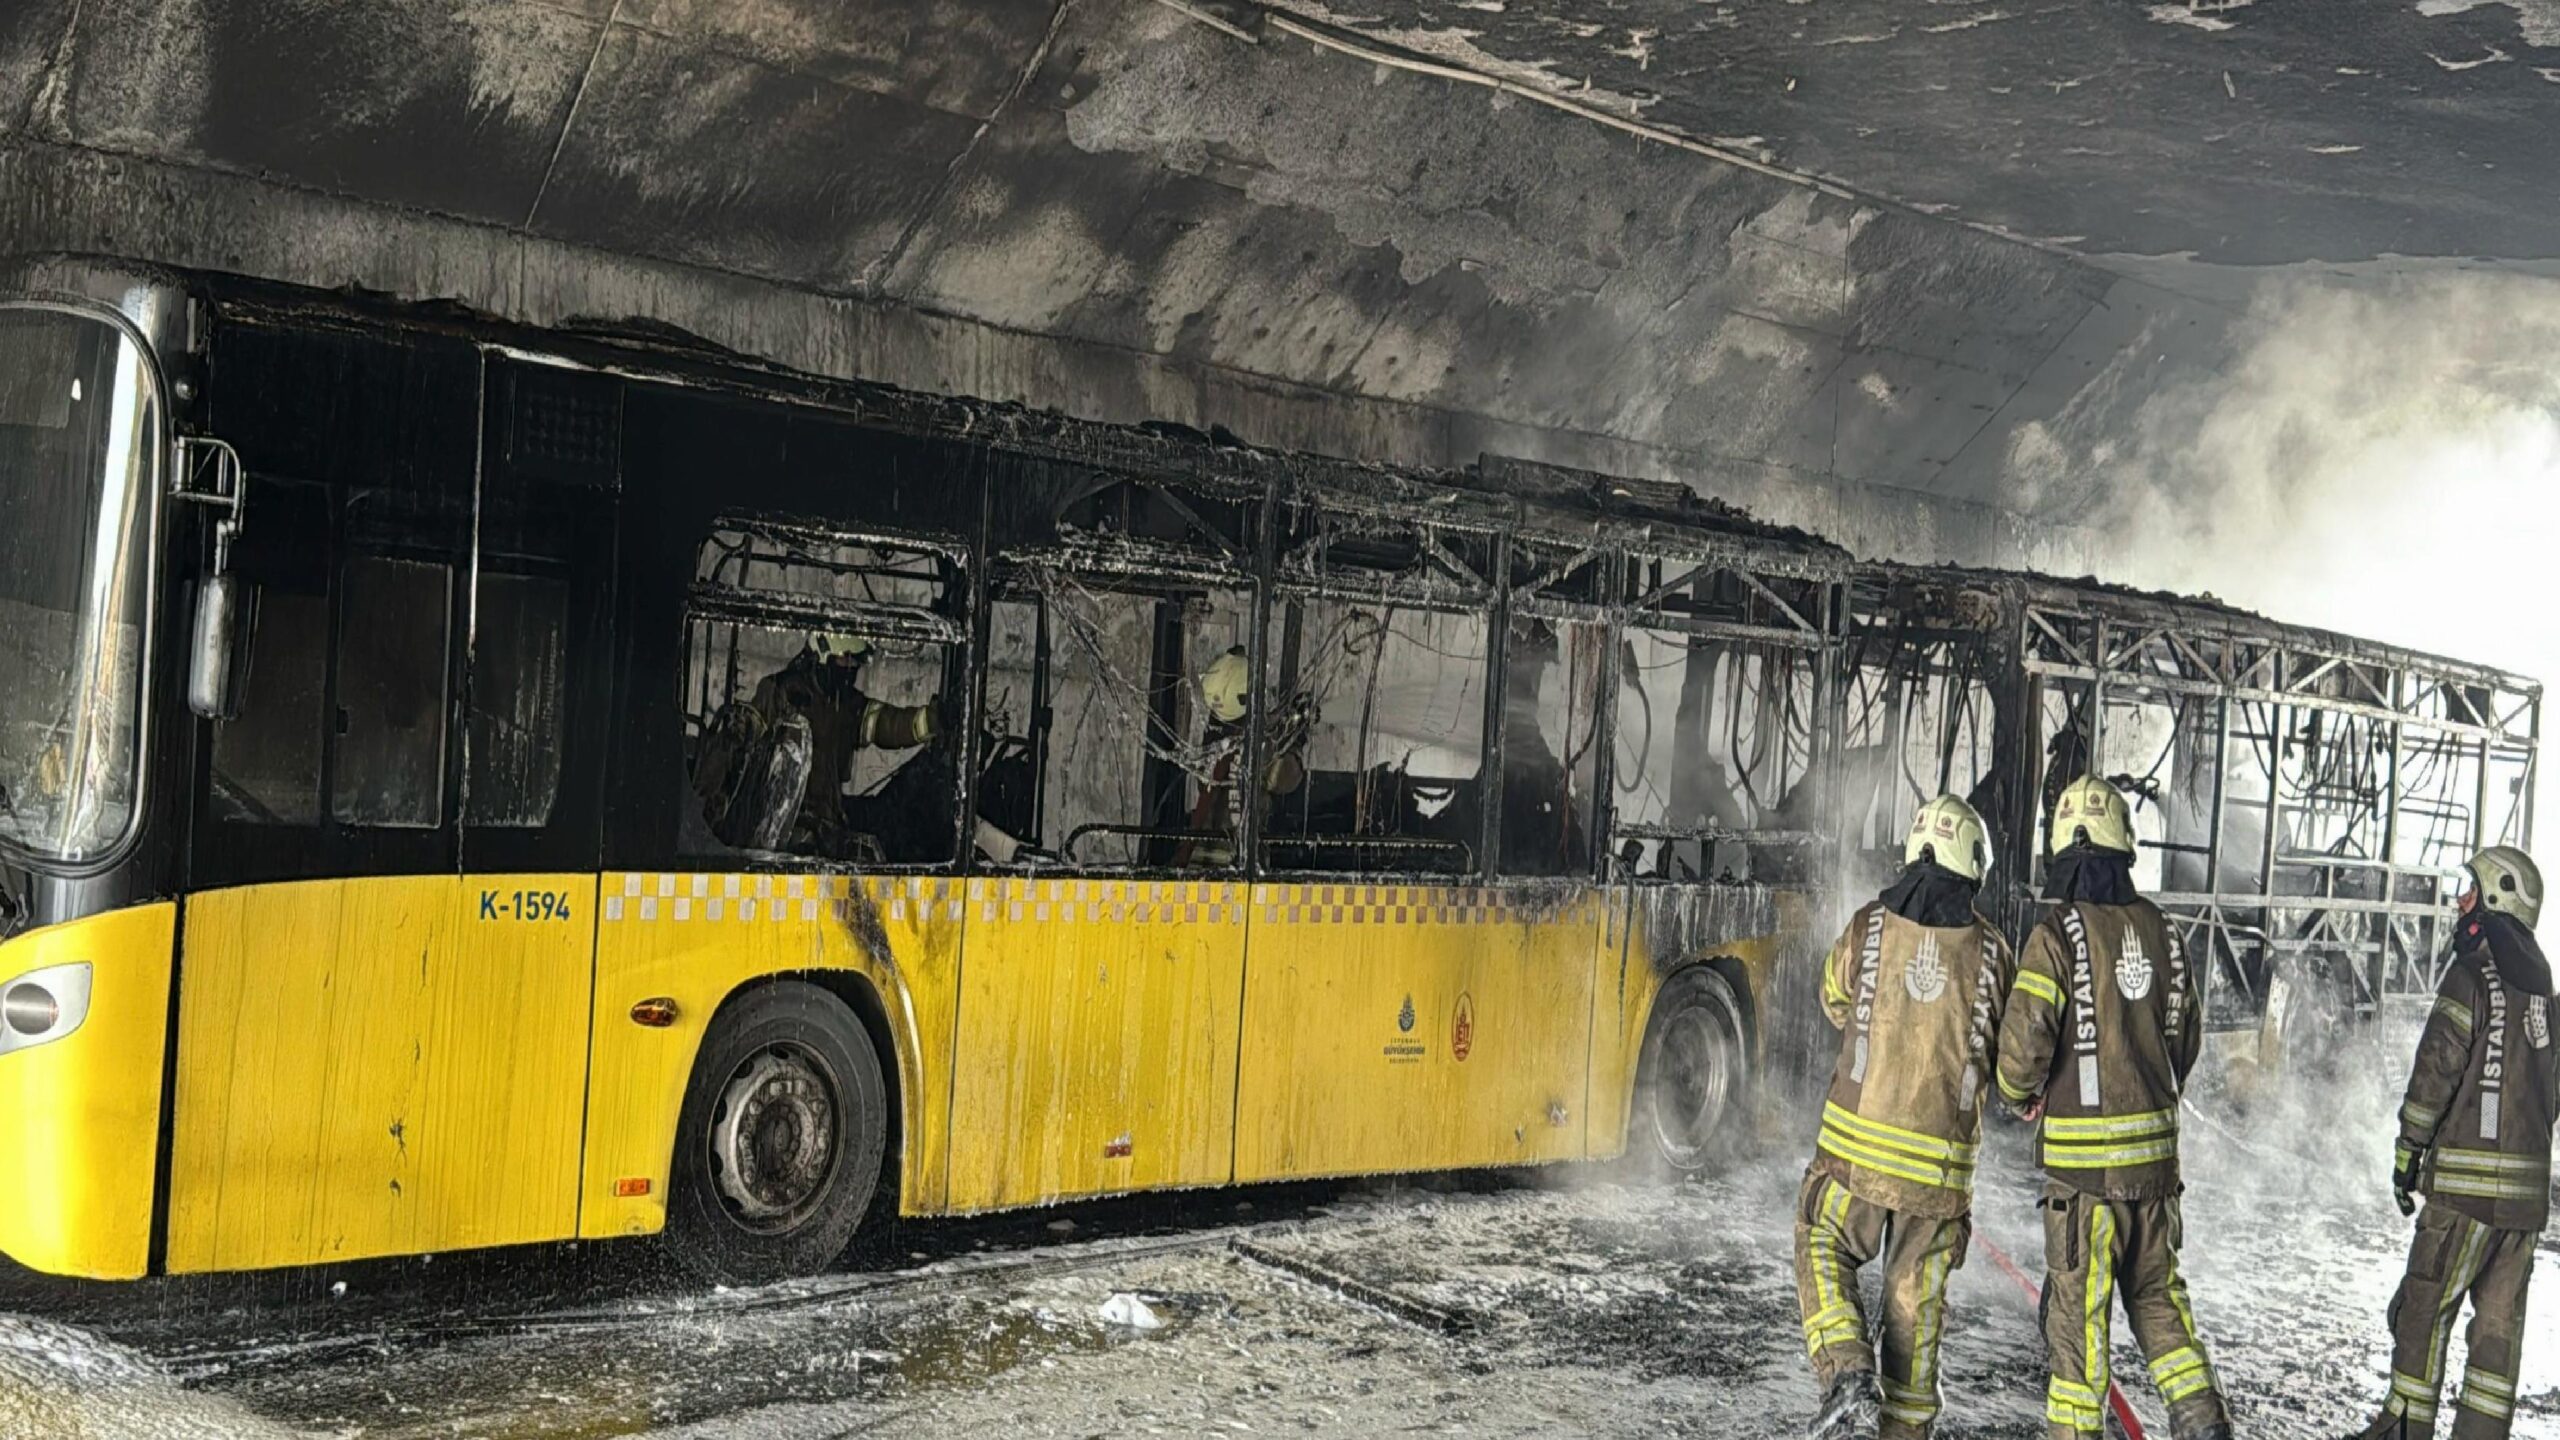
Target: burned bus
{"x":2301,"y":796}
{"x":470,"y":788}
{"x":467,"y":787}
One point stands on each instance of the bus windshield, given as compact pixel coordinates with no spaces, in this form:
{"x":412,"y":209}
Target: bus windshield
{"x":79,"y":458}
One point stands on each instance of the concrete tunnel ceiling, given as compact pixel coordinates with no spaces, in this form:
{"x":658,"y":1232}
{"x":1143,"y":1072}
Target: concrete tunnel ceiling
{"x":2248,"y":132}
{"x":1120,"y":211}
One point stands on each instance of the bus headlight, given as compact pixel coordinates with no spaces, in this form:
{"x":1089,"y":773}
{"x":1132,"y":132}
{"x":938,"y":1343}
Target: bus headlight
{"x":29,"y":1008}
{"x":43,"y":1006}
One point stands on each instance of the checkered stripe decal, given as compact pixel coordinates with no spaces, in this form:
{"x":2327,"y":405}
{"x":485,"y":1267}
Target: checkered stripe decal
{"x":751,"y":899}
{"x":746,"y":899}
{"x":1380,"y":904}
{"x":1110,"y":902}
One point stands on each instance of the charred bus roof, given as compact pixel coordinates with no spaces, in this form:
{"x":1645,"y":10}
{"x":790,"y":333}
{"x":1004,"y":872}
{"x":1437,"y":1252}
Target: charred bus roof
{"x":2168,"y":610}
{"x":1529,"y":498}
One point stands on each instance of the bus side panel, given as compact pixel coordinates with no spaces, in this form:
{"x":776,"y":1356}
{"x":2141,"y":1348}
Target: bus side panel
{"x":695,"y":939}
{"x":80,"y":1115}
{"x":1393,"y":1027}
{"x":1621,"y":998}
{"x":1097,"y":1039}
{"x":378,"y":1067}
{"x":1670,"y":927}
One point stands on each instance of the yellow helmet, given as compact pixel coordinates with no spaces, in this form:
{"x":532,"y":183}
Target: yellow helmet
{"x":1227,"y":686}
{"x":1953,"y":834}
{"x":834,"y":645}
{"x":2509,"y":882}
{"x":2091,"y":809}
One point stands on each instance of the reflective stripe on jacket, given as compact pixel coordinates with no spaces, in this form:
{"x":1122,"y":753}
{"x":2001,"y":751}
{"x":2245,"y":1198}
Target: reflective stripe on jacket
{"x":2104,"y":1024}
{"x":1918,"y":1007}
{"x":2481,"y":1096}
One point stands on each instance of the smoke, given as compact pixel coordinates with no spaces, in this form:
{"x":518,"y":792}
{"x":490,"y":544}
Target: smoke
{"x":2380,"y":458}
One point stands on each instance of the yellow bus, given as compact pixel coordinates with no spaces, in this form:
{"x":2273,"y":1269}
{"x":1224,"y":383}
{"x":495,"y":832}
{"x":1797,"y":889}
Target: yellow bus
{"x":462,"y":787}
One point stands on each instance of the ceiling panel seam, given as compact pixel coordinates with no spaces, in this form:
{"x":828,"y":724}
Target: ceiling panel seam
{"x":560,"y":142}
{"x":2019,"y":388}
{"x":878,"y":273}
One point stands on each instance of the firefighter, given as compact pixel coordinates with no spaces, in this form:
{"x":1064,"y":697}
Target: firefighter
{"x":1226,"y":692}
{"x":2102,"y":1029}
{"x":2475,"y":1139}
{"x":822,"y":688}
{"x":1915,"y":984}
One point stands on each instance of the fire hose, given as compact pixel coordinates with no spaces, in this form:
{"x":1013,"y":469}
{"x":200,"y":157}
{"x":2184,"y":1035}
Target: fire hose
{"x":2116,"y":1403}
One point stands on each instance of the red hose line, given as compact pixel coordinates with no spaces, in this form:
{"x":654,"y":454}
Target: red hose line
{"x":2115,"y":1393}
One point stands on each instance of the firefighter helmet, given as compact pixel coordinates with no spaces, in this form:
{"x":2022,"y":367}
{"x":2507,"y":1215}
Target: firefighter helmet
{"x":2508,"y":882}
{"x":1949,"y":831}
{"x":2094,"y":811}
{"x":1227,"y":685}
{"x":835,"y":645}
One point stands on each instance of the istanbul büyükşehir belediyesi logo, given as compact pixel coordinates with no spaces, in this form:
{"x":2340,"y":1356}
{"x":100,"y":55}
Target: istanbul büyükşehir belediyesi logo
{"x":1404,"y":1048}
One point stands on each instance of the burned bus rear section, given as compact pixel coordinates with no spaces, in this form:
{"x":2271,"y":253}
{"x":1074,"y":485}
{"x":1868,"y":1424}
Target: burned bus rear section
{"x":2301,"y":796}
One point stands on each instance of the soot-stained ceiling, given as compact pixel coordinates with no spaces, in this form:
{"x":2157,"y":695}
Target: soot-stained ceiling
{"x":2247,"y":132}
{"x":1129,"y":213}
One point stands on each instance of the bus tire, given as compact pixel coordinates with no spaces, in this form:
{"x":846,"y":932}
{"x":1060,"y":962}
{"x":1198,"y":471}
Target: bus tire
{"x":1693,"y":1079}
{"x":780,"y":1144}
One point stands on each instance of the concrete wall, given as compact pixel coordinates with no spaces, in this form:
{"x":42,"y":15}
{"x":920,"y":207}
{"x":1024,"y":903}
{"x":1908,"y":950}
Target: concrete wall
{"x":1107,"y":208}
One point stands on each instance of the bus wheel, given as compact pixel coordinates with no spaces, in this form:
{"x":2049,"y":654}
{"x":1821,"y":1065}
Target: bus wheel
{"x":779,"y":1148}
{"x":1693,"y":1080}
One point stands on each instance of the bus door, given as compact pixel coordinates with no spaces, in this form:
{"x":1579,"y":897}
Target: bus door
{"x":376,"y":1056}
{"x":1106,"y":933}
{"x":1413,"y":1001}
{"x":1716,"y":825}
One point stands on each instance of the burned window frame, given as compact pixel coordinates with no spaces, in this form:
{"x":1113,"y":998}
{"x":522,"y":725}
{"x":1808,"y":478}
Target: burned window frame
{"x":1563,"y":579}
{"x":1075,"y":547}
{"x":709,"y":601}
{"x":1931,"y":632}
{"x":1117,"y":529}
{"x":2376,"y":927}
{"x":1318,"y":535}
{"x":1789,"y":608}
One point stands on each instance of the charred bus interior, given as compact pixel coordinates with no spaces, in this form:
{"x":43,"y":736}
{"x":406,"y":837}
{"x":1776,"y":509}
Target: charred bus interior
{"x":2300,"y":794}
{"x":468,"y":562}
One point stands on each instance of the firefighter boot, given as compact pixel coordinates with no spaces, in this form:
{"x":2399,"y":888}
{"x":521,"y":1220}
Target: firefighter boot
{"x":2387,"y":1426}
{"x":1851,"y":1411}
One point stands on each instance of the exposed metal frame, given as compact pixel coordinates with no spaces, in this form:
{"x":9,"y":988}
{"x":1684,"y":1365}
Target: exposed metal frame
{"x":2372,"y":907}
{"x":2043,"y":638}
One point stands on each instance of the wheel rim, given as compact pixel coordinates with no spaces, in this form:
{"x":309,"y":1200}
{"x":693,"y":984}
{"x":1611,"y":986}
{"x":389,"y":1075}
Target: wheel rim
{"x":1694,"y":1076}
{"x":774,"y":1138}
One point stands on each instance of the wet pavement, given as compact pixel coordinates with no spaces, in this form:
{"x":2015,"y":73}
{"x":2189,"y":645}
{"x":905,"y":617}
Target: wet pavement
{"x":1567,"y":1302}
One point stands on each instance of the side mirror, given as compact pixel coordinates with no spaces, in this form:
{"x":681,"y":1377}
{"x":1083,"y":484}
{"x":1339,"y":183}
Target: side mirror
{"x":218,"y":650}
{"x":208,"y":473}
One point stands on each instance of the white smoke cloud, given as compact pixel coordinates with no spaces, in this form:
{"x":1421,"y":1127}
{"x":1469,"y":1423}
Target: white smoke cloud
{"x":2380,"y":458}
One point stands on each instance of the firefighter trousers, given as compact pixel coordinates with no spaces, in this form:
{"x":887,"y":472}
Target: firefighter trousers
{"x":1836,"y":1235}
{"x":2454,"y":1256}
{"x":2096,"y":1251}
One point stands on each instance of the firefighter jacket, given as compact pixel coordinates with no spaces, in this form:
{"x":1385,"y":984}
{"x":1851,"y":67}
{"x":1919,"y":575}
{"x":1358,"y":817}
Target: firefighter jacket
{"x":1918,"y":1007}
{"x":841,"y":718}
{"x":2481,"y":1095}
{"x":2104,"y":1023}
